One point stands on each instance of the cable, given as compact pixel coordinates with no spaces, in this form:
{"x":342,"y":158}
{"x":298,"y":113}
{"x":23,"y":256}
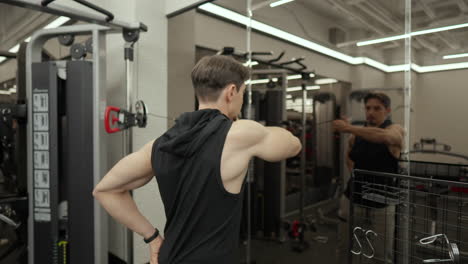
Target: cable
{"x":161,"y":116}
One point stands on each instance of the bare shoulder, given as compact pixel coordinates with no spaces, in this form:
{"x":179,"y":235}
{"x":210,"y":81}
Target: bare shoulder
{"x":244,"y":133}
{"x":246,"y":124}
{"x":147,"y":149}
{"x":246,"y":128}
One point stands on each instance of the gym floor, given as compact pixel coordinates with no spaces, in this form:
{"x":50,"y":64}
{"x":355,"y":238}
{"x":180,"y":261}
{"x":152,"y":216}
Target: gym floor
{"x":273,"y":252}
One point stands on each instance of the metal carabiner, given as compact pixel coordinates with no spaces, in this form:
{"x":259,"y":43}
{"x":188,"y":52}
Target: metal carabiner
{"x":370,"y":244}
{"x":430,"y":239}
{"x":453,"y":251}
{"x":357,"y":240}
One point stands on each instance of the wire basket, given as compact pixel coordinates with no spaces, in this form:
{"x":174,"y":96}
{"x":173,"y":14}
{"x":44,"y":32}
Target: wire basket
{"x":417,"y":217}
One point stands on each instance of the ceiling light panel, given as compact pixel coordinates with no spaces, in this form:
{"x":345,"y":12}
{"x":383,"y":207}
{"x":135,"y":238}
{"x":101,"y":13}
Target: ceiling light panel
{"x":280,"y":2}
{"x":288,"y":37}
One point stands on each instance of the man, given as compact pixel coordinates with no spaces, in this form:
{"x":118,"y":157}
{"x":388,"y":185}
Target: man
{"x":374,"y":147}
{"x":200,"y":165}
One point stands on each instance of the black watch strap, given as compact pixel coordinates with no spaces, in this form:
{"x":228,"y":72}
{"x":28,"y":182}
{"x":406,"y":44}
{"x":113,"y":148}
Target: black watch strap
{"x":153,"y":237}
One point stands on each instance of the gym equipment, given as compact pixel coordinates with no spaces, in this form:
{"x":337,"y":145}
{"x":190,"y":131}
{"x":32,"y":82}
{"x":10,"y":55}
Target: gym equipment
{"x":453,"y":251}
{"x":78,"y":51}
{"x":274,"y":63}
{"x":73,"y":13}
{"x":432,"y":146}
{"x":324,"y":138}
{"x":299,"y":226}
{"x":323,"y":180}
{"x":296,"y":232}
{"x":109,"y":15}
{"x":63,"y":115}
{"x":13,"y":174}
{"x":125,"y":119}
{"x":89,"y":45}
{"x":66,"y":40}
{"x":433,"y":193}
{"x":264,"y":212}
{"x":365,"y":234}
{"x":69,"y":156}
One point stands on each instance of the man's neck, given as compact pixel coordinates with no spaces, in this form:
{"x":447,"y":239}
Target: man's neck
{"x":376,"y":125}
{"x":219,"y":107}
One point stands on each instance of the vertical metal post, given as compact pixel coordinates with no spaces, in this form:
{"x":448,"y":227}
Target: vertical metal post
{"x":99,"y":142}
{"x":249,"y":116}
{"x":282,"y":235}
{"x":128,"y":133}
{"x":350,"y":217}
{"x":303,"y":152}
{"x":407,"y":92}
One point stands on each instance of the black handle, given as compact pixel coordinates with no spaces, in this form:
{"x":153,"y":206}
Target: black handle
{"x":262,"y":53}
{"x":46,"y":2}
{"x":277,"y":58}
{"x":292,"y":61}
{"x":109,"y":15}
{"x":143,"y":27}
{"x":9,"y":55}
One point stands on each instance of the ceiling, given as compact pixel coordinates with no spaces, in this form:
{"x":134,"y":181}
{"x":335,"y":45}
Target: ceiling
{"x":382,"y":18}
{"x":16,"y":24}
{"x":358,"y":20}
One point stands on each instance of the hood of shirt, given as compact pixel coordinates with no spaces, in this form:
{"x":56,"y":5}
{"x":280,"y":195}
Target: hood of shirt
{"x":191,"y":131}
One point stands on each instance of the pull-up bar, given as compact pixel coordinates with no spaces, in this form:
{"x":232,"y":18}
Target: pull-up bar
{"x":63,"y":10}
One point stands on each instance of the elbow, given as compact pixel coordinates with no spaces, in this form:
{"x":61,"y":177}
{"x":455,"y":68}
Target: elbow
{"x":297,"y":147}
{"x":96,"y":193}
{"x":101,"y":194}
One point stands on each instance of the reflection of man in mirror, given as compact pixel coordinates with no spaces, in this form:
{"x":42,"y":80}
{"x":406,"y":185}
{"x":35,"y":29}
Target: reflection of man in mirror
{"x":374,"y":147}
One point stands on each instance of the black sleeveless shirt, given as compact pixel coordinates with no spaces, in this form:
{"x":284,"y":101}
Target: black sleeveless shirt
{"x":203,"y":218}
{"x":372,"y":157}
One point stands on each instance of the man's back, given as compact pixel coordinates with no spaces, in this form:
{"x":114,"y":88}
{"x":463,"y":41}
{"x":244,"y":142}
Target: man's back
{"x":200,"y":165}
{"x":203,"y":218}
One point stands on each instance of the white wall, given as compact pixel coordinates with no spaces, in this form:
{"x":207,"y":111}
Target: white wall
{"x":181,"y":59}
{"x":440,"y":110}
{"x":152,"y":88}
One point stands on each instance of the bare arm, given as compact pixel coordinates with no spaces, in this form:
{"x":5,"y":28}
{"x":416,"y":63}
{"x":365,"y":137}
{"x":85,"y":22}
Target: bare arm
{"x":393,"y":135}
{"x":349,"y":162}
{"x":132,"y":172}
{"x":268,"y":143}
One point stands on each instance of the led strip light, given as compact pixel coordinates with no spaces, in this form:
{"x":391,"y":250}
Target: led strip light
{"x":288,"y":37}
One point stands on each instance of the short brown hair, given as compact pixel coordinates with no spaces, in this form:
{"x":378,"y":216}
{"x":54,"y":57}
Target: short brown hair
{"x":212,"y":73}
{"x":383,"y":98}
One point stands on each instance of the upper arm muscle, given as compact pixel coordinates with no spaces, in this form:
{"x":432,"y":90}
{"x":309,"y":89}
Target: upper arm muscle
{"x":349,"y":162}
{"x":131,"y":172}
{"x":278,"y":144}
{"x":396,"y":135}
{"x":269,"y":143}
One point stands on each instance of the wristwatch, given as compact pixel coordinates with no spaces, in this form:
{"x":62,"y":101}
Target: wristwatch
{"x":151,"y":238}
